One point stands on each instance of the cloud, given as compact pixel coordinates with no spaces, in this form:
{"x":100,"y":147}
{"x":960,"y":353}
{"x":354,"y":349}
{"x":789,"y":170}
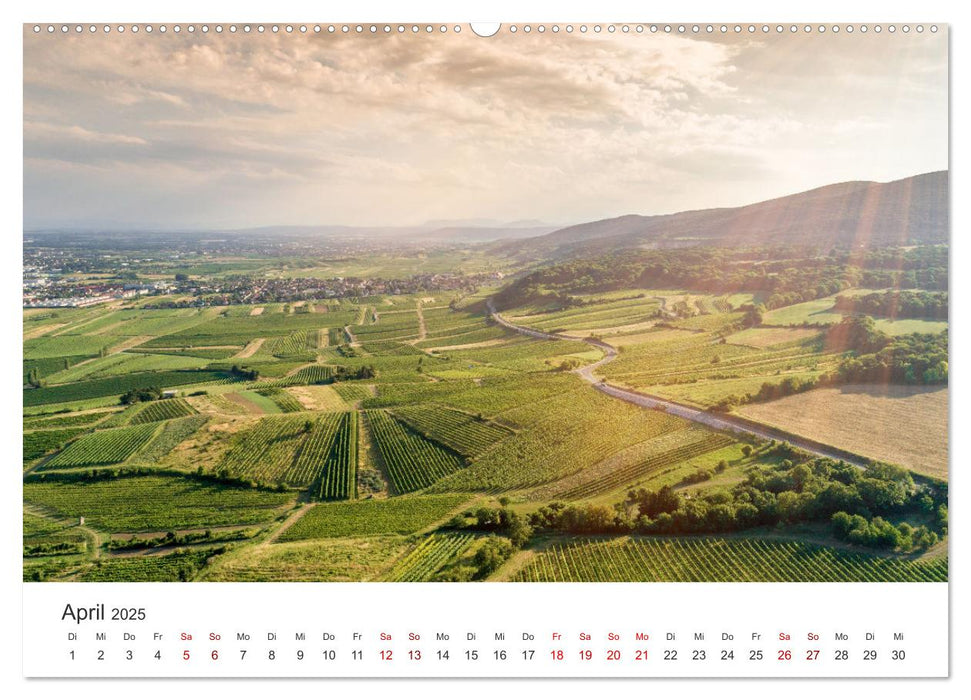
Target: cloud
{"x":136,"y":94}
{"x":39,"y":131}
{"x":557,"y":127}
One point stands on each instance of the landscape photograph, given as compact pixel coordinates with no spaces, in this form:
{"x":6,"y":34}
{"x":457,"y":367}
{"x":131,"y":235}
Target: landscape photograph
{"x":402,"y":303}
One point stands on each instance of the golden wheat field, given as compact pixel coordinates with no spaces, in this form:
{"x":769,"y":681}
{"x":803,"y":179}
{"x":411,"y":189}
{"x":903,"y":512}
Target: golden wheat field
{"x":899,"y":424}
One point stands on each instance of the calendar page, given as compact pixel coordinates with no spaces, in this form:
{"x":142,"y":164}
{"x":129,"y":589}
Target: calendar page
{"x":437,"y":349}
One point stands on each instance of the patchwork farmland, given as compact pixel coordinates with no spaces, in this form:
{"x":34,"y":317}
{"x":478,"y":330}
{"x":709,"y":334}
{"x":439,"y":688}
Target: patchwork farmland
{"x":420,"y":437}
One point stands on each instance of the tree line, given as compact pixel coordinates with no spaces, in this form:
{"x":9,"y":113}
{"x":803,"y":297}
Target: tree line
{"x":872,"y":357}
{"x":868,"y":507}
{"x":782,"y":276}
{"x":818,"y":490}
{"x":896,"y":304}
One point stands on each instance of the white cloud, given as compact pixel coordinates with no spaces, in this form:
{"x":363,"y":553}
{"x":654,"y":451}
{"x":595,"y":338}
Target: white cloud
{"x":36,"y":131}
{"x":518,"y":126}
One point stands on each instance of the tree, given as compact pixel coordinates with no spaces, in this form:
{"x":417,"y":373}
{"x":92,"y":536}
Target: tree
{"x":519,"y":531}
{"x":491,"y":554}
{"x":858,"y":333}
{"x":488,"y":518}
{"x":152,"y":393}
{"x":458,"y":522}
{"x":456,"y":574}
{"x":653,"y":503}
{"x":754,"y":315}
{"x":245,"y":373}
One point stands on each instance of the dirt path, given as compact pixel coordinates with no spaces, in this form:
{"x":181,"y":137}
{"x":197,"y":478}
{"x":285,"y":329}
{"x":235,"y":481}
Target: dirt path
{"x":718,"y":422}
{"x":92,"y":537}
{"x":129,"y":343}
{"x":251,"y":349}
{"x":320,"y":398}
{"x":188,"y":351}
{"x":118,"y":347}
{"x":369,"y":460}
{"x":82,"y":363}
{"x":157,"y":551}
{"x":178,"y":531}
{"x":258,"y":311}
{"x":85,"y":412}
{"x":42,"y":330}
{"x":290,"y":520}
{"x":251,"y":407}
{"x":630,"y":328}
{"x":74,"y":326}
{"x":422,"y":328}
{"x":664,"y":307}
{"x":469,"y":346}
{"x":513,"y":564}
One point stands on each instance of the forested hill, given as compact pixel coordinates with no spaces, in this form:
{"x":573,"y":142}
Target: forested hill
{"x":850,"y":214}
{"x":780,"y":276}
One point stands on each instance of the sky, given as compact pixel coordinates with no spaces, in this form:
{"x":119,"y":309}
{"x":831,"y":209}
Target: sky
{"x":234,"y":131}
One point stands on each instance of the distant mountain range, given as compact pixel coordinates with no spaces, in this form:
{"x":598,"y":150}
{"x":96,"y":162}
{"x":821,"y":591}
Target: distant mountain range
{"x":469,"y":231}
{"x":445,"y":233}
{"x":848,"y":214}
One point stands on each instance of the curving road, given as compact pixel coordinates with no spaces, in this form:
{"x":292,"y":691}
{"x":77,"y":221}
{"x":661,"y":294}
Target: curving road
{"x":727,"y":423}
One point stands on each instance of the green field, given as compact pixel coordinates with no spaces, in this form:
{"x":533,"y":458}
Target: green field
{"x":561,"y":436}
{"x":44,"y":537}
{"x":463,"y":433}
{"x":282,"y":400}
{"x":348,"y":559}
{"x":178,"y":566}
{"x":396,"y":437}
{"x":38,"y":443}
{"x":402,"y":515}
{"x":173,"y":433}
{"x":816,"y":312}
{"x":114,"y":386}
{"x":150,"y":503}
{"x":638,"y":470}
{"x":707,"y":392}
{"x":596,"y":316}
{"x":704,"y":559}
{"x":271,"y":451}
{"x":330,"y":454}
{"x":314,"y":374}
{"x":161,"y":410}
{"x":260,"y":400}
{"x":63,"y":346}
{"x":104,"y":447}
{"x":233,"y":330}
{"x":65,"y":421}
{"x":716,"y":360}
{"x":125,"y":363}
{"x":904,"y":326}
{"x":429,"y":556}
{"x":411,"y":462}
